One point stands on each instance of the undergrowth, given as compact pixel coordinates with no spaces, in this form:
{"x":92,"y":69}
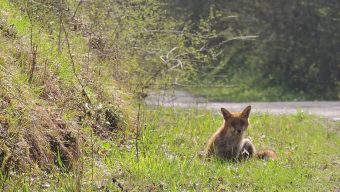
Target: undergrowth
{"x":47,"y":98}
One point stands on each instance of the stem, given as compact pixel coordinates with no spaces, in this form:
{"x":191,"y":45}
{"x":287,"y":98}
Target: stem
{"x":137,"y":133}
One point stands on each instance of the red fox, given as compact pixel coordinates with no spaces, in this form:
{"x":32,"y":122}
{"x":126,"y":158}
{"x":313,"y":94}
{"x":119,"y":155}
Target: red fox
{"x":228,"y":142}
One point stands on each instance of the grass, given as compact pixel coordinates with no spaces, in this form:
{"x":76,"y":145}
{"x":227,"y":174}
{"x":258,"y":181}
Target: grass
{"x":172,"y":139}
{"x":29,"y":112}
{"x":168,"y":143}
{"x":168,"y":156}
{"x":244,"y":93}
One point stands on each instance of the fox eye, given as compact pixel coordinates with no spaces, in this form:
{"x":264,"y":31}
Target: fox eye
{"x":242,"y":123}
{"x":233,"y":124}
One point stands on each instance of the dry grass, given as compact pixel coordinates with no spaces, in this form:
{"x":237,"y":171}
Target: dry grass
{"x":44,"y":111}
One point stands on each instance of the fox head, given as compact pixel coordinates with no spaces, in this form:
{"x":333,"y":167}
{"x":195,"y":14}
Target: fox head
{"x":236,"y":123}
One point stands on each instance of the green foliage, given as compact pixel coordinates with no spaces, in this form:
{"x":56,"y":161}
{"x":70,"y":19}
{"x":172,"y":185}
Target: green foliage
{"x":300,"y":46}
{"x":296,"y":48}
{"x":142,"y":45}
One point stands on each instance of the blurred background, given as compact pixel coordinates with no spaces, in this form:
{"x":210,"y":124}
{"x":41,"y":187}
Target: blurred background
{"x":267,"y":50}
{"x":226,"y":50}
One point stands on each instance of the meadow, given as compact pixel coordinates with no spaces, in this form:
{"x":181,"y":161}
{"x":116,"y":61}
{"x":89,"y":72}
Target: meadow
{"x":170,"y":141}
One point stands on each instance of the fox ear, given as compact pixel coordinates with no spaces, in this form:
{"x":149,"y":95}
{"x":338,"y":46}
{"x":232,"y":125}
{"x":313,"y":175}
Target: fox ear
{"x":226,"y":114}
{"x":246,"y":112}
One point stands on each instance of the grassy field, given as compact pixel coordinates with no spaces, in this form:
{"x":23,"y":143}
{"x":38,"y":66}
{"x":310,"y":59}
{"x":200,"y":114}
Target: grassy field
{"x":308,"y":155}
{"x":243,"y":93}
{"x":168,"y":147}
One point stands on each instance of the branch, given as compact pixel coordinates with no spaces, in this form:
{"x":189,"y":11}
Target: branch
{"x":75,"y":12}
{"x":166,"y":61}
{"x":249,"y":37}
{"x":162,"y":31}
{"x":179,"y":64}
{"x":88,"y":100}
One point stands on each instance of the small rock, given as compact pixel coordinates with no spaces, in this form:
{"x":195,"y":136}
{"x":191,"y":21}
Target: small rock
{"x":46,"y":185}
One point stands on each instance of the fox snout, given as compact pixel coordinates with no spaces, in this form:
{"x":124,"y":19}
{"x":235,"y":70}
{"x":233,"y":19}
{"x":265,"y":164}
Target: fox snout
{"x":239,"y":131}
{"x":239,"y":126}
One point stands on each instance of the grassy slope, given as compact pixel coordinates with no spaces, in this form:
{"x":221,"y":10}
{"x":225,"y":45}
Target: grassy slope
{"x":308,"y":155}
{"x":59,"y":81}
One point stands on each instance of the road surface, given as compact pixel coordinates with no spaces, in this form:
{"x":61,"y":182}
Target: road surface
{"x":329,"y":109}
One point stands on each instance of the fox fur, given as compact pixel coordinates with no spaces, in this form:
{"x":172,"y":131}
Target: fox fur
{"x":229,"y":142}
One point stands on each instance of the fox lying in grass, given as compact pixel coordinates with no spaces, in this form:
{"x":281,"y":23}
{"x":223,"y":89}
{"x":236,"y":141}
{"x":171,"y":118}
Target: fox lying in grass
{"x":228,"y":142}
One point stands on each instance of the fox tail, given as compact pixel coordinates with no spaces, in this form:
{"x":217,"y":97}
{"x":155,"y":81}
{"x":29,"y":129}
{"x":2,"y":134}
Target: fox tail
{"x":266,"y":154}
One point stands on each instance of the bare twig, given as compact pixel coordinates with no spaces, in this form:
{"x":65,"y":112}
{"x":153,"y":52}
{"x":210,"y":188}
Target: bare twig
{"x":179,"y":64}
{"x":166,"y":61}
{"x":249,"y":37}
{"x":162,"y":31}
{"x":75,"y":12}
{"x":92,"y":156}
{"x":34,"y":52}
{"x":34,"y":48}
{"x":60,"y":25}
{"x":88,"y":100}
{"x":173,"y":49}
{"x":137,"y":131}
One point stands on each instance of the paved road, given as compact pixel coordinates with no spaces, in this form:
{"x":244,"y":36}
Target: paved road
{"x":329,"y":109}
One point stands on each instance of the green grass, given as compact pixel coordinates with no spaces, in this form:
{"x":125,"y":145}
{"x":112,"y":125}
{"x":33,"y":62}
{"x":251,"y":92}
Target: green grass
{"x":245,"y":93}
{"x":172,"y":139}
{"x":307,"y":146}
